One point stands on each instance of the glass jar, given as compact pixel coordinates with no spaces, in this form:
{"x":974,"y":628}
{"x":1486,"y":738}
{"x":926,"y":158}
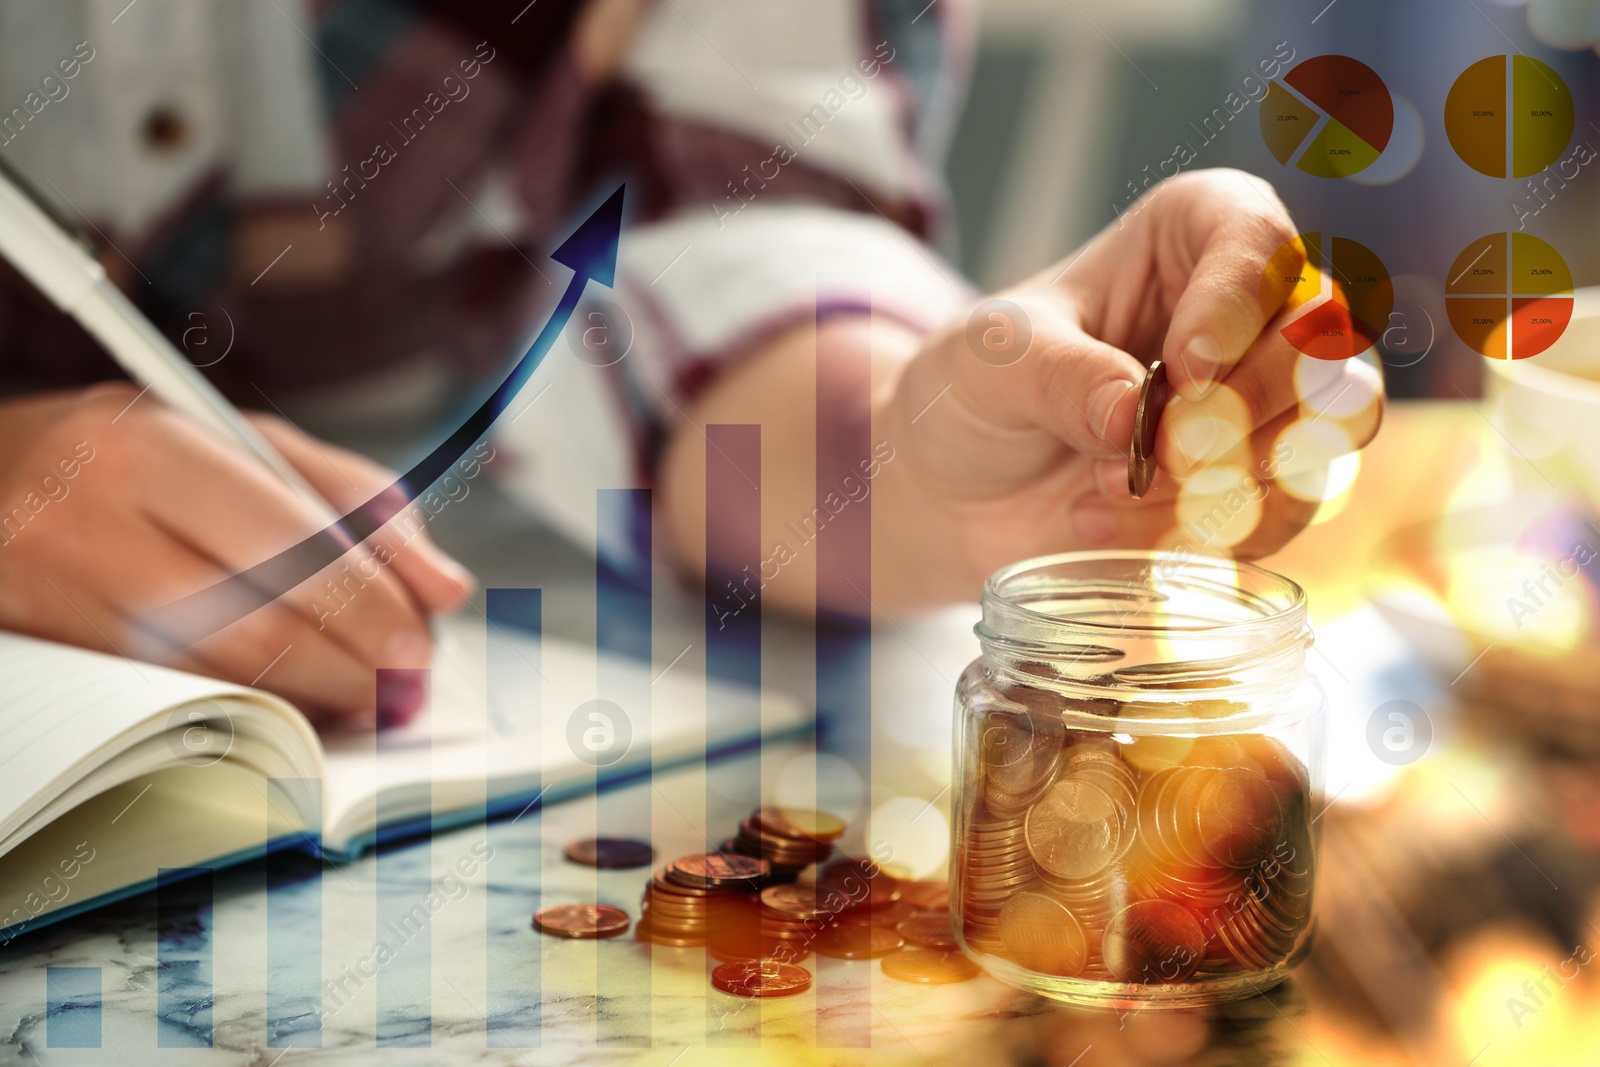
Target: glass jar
{"x":1136,"y":753}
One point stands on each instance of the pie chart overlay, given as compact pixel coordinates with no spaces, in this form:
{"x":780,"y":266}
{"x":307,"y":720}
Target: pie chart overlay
{"x":1330,"y":116}
{"x":1509,"y":115}
{"x":1343,"y":288}
{"x":1509,"y":296}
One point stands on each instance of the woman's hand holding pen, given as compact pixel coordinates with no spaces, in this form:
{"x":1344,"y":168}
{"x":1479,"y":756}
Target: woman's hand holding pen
{"x":112,"y":506}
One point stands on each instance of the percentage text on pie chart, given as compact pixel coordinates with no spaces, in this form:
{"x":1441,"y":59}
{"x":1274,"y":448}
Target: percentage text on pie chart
{"x":1340,"y":288}
{"x":1330,"y":116}
{"x":1509,"y":295}
{"x":1509,"y":115}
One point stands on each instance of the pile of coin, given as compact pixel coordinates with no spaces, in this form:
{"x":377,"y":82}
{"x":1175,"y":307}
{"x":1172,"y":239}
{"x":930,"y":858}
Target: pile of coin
{"x":789,"y":840}
{"x":694,"y":894}
{"x":1082,"y":856}
{"x":744,"y":905}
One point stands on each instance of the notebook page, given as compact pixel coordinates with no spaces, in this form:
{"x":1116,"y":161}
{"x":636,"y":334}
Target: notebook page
{"x":61,"y":706}
{"x":467,"y":747}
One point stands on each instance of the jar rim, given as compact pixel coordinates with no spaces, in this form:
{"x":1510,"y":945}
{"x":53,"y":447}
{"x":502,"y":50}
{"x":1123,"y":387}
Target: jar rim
{"x":1292,"y":609}
{"x":1139,"y":620}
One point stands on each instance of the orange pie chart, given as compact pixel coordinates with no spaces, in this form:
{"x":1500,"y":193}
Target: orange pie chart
{"x":1342,"y":288}
{"x":1509,"y":115}
{"x":1509,"y":295}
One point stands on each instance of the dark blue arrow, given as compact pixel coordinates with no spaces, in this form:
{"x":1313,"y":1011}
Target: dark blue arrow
{"x":591,"y":253}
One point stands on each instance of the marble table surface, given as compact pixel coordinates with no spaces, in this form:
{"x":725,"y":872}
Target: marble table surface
{"x":279,"y":968}
{"x":564,"y":1001}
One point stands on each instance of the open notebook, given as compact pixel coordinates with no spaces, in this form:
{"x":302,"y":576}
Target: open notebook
{"x":104,"y":780}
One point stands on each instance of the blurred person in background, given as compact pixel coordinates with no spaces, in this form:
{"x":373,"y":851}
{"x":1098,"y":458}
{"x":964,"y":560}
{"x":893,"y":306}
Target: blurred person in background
{"x":359,"y":196}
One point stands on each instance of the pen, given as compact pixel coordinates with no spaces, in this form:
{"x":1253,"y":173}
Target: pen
{"x":48,"y":251}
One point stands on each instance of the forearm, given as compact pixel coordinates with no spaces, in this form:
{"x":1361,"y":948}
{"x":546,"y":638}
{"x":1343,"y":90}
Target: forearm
{"x":814,"y":501}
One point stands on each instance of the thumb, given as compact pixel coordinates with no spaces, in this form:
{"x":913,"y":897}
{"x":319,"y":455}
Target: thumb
{"x":1090,"y":395}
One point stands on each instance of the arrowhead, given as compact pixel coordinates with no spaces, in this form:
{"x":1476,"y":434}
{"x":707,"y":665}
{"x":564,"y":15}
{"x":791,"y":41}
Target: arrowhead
{"x":591,"y":251}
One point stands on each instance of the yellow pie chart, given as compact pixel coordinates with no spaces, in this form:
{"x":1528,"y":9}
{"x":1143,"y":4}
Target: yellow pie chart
{"x":1509,"y":115}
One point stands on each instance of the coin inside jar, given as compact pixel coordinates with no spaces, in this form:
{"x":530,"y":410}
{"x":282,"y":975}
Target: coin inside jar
{"x":1153,"y":398}
{"x":1019,"y":751}
{"x":1074,"y":830}
{"x":1042,"y":934}
{"x":1153,"y":941}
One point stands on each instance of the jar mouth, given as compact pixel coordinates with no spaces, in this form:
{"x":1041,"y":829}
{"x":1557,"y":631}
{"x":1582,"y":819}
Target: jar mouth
{"x":1142,"y":618}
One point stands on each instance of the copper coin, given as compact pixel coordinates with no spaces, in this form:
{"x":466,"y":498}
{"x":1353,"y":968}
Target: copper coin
{"x":581,"y":920}
{"x":1281,"y":766}
{"x":1153,"y":397}
{"x":795,"y":901}
{"x":926,"y":896}
{"x":1238,"y":817}
{"x":1019,"y":750}
{"x":800,"y":823}
{"x":857,"y":942}
{"x":927,"y":931}
{"x":761,"y":978}
{"x":1042,"y":934}
{"x":648,"y":931}
{"x":744,"y":946}
{"x":1153,"y":941}
{"x":928,"y":966}
{"x":1073,"y":831}
{"x":863,"y":883}
{"x":611,"y":853}
{"x":660,"y":883}
{"x":716,"y":870}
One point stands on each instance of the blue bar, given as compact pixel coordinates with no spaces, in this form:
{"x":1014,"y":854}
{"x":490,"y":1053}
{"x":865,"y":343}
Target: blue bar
{"x":511,"y":959}
{"x":183,"y":957}
{"x":403,"y":957}
{"x":294,"y":918}
{"x":72,"y":1007}
{"x":623,"y":626}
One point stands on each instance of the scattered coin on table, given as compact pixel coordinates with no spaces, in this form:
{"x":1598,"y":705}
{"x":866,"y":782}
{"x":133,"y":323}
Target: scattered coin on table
{"x":761,"y":978}
{"x":581,"y":920}
{"x":928,"y":931}
{"x":611,"y":853}
{"x":929,"y":966}
{"x":745,"y":907}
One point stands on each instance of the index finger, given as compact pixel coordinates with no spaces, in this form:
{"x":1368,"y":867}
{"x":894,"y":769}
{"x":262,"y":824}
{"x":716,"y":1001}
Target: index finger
{"x":1239,"y":227}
